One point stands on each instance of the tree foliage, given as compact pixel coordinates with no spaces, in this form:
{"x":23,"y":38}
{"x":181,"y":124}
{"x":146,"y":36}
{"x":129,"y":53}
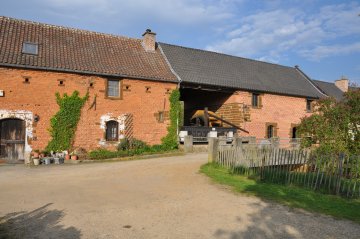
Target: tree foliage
{"x":335,"y":125}
{"x":63,"y":124}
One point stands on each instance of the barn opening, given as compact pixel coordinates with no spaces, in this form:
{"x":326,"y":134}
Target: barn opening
{"x":197,"y":98}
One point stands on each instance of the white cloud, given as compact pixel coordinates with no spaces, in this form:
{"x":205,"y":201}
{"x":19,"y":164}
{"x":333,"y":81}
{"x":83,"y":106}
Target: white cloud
{"x":270,"y":34}
{"x":320,"y":52}
{"x":182,"y":12}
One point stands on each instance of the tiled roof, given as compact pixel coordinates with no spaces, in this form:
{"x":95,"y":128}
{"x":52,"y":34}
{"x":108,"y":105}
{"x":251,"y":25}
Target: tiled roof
{"x":67,"y":49}
{"x":329,"y":89}
{"x":209,"y":68}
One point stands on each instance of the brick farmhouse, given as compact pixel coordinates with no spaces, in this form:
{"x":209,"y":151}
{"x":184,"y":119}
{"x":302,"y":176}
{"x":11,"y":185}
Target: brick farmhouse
{"x":129,"y":82}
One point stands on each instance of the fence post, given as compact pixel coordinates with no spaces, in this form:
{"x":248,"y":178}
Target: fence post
{"x":213,"y":149}
{"x":222,"y":140}
{"x":338,"y":183}
{"x":188,"y":144}
{"x":238,"y":142}
{"x":252,"y":140}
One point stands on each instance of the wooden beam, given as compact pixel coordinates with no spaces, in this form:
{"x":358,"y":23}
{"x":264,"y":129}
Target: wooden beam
{"x":225,"y":121}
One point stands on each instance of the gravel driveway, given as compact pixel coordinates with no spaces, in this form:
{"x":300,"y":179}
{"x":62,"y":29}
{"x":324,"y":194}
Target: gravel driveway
{"x":154,"y":198}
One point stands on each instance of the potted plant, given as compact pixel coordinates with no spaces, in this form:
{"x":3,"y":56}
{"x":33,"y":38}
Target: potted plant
{"x":36,"y":161}
{"x":44,"y":153}
{"x":73,"y":156}
{"x":67,"y":157}
{"x":36,"y":153}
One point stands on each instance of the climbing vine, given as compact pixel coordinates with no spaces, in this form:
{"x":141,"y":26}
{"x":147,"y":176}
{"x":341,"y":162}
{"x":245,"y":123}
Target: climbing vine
{"x":170,"y":141}
{"x":63,"y":124}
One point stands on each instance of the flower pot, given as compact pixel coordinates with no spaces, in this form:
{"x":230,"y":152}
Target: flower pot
{"x":36,"y":161}
{"x":47,"y":160}
{"x":74,"y":157}
{"x":67,"y":157}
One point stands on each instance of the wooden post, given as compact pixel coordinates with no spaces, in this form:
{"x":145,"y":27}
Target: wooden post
{"x":188,"y":144}
{"x":206,"y":117}
{"x":213,"y":149}
{"x":252,"y":140}
{"x":222,"y":140}
{"x":338,"y":183}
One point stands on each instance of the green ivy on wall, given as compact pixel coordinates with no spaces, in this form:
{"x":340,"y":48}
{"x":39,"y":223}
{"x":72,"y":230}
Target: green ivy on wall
{"x":63,"y":124}
{"x":170,"y":141}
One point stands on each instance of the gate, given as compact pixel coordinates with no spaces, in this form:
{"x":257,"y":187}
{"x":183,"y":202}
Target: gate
{"x":12,"y":139}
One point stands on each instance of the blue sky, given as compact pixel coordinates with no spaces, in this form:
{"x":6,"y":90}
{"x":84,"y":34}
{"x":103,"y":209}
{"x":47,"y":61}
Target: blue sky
{"x":322,"y":37}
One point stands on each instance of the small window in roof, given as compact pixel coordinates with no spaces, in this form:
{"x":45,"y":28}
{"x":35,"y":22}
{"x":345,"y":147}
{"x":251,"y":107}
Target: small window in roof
{"x":30,"y":48}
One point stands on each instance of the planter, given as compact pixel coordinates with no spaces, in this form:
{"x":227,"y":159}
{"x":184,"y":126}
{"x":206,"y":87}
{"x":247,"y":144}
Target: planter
{"x":47,"y":160}
{"x":36,"y":154}
{"x":58,"y":160}
{"x":67,"y":157}
{"x":36,"y":161}
{"x":74,"y":157}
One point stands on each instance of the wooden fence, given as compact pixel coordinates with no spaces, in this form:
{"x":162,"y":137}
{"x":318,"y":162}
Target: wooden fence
{"x":332,"y":174}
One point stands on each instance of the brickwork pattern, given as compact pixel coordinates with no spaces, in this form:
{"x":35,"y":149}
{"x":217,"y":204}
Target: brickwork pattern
{"x":285,"y":111}
{"x":38,"y":97}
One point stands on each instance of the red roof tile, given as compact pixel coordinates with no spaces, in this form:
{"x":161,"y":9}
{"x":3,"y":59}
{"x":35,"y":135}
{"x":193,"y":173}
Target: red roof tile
{"x":73,"y":50}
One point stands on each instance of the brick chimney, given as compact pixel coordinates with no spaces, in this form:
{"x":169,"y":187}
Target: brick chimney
{"x":342,"y":84}
{"x":149,"y":40}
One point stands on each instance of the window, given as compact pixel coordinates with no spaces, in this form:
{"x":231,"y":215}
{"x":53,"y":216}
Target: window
{"x":270,"y":130}
{"x":294,"y":133}
{"x":255,"y":100}
{"x":30,"y":48}
{"x":309,"y":105}
{"x":161,"y":117}
{"x":113,"y":88}
{"x":112,"y":131}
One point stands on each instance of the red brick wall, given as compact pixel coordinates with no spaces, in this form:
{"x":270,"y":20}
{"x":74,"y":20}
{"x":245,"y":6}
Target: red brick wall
{"x":279,"y":109}
{"x":39,"y":97}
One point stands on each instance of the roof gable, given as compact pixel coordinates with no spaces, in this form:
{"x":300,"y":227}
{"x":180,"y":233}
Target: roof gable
{"x":67,"y":49}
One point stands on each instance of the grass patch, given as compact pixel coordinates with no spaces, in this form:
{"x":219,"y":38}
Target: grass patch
{"x":288,"y":195}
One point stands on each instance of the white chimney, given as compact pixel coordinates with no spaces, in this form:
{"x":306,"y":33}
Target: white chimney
{"x":342,"y":84}
{"x":149,"y":40}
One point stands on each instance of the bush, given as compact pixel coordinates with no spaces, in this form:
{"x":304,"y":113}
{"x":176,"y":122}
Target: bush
{"x":106,"y":154}
{"x":123,"y":145}
{"x":131,"y":144}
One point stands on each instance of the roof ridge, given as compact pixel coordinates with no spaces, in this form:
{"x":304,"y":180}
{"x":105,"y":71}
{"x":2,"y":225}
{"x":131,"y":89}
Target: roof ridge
{"x":224,"y":54}
{"x":66,"y":28}
{"x":323,"y":81}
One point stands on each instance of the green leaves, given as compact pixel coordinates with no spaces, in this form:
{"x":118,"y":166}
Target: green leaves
{"x":170,"y":141}
{"x":335,"y":126}
{"x":63,"y":124}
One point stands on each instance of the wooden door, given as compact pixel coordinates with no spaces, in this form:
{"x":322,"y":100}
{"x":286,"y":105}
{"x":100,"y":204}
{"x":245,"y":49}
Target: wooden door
{"x":12,"y":139}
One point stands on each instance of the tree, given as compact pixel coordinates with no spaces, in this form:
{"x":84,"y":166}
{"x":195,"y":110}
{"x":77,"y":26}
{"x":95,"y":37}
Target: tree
{"x":335,"y":125}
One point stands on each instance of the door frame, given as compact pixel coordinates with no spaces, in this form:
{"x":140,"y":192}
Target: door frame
{"x":26,"y":116}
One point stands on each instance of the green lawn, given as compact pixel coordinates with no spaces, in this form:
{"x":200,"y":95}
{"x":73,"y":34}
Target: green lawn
{"x":289,"y":195}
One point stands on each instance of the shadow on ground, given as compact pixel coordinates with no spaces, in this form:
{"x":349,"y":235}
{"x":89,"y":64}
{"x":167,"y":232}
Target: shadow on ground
{"x":262,"y":224}
{"x":39,"y":223}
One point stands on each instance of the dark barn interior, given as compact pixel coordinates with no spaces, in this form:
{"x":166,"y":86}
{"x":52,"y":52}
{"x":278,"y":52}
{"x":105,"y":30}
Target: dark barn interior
{"x":198,"y":98}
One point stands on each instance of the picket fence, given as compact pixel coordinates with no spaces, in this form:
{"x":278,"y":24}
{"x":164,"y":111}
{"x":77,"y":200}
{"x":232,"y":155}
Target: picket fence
{"x":332,"y":174}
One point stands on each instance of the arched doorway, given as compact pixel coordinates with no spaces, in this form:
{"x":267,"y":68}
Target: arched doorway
{"x":12,"y":139}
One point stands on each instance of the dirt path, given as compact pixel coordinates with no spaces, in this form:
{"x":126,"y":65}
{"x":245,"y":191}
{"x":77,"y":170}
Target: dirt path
{"x":155,"y":198}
